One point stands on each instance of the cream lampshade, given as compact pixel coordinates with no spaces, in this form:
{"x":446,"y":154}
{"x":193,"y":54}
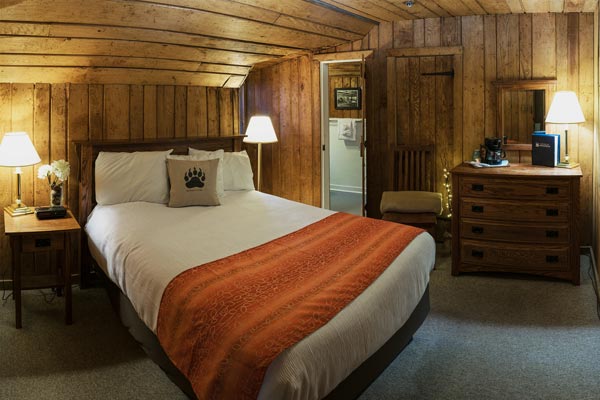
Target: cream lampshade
{"x":565,"y":109}
{"x":260,"y":130}
{"x":16,"y":150}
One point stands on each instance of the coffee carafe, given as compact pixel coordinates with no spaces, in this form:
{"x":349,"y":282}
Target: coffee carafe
{"x":491,"y":151}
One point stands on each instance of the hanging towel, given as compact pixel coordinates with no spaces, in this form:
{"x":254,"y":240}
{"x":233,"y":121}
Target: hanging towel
{"x":346,"y":130}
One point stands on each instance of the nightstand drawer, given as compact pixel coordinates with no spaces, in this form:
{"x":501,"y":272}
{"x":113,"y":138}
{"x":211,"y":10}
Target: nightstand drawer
{"x":506,"y":210}
{"x":514,"y":189}
{"x":511,"y":231}
{"x":43,"y":242}
{"x":514,"y":255}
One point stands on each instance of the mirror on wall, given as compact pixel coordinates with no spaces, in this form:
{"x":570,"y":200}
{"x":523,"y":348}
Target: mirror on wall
{"x":522,"y":107}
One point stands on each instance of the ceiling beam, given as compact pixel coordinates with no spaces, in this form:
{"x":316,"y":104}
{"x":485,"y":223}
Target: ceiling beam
{"x":109,"y":76}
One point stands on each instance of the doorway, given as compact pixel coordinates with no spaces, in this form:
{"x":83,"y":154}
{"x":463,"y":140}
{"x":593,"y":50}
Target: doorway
{"x":343,"y":136}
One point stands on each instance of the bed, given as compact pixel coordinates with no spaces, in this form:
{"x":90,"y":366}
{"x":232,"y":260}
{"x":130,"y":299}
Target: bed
{"x":123,"y":242}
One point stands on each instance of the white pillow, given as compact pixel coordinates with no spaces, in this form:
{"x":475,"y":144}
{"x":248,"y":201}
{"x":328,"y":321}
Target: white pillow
{"x":127,"y":177}
{"x":202,"y":155}
{"x":237,"y":170}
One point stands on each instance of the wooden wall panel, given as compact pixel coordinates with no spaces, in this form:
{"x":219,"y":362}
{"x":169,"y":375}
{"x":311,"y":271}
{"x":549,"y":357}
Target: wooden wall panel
{"x":585,"y":140}
{"x":181,"y":111}
{"x":136,"y":111}
{"x":41,"y":134}
{"x":288,"y":93}
{"x":213,"y":110}
{"x":96,"y":112}
{"x":495,"y":47}
{"x":490,"y":71}
{"x":77,"y":129}
{"x":306,"y":141}
{"x":165,"y":111}
{"x":116,"y":111}
{"x":57,"y":114}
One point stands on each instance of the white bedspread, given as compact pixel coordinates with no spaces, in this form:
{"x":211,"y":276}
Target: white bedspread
{"x":142,"y":246}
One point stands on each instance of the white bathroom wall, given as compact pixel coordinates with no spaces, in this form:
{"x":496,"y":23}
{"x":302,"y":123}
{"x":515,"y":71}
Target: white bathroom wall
{"x":345,"y":164}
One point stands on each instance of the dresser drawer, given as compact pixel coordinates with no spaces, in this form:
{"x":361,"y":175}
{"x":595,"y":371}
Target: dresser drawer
{"x":514,"y":255}
{"x":43,"y":242}
{"x":520,"y":189}
{"x":506,"y":210}
{"x":530,"y":233}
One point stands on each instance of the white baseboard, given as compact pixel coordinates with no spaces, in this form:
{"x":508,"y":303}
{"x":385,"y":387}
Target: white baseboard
{"x":347,"y":189}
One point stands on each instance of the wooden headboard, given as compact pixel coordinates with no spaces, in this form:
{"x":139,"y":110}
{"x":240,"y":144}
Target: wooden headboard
{"x":88,"y":152}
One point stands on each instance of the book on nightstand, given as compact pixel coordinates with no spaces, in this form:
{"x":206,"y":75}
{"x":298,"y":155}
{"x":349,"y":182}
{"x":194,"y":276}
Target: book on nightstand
{"x":545,"y":149}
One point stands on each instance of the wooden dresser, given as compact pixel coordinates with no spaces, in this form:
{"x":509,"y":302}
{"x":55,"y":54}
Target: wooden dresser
{"x":523,"y":218}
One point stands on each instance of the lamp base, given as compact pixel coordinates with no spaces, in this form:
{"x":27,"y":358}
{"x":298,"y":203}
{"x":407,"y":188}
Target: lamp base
{"x":18,"y":209}
{"x":567,"y":165}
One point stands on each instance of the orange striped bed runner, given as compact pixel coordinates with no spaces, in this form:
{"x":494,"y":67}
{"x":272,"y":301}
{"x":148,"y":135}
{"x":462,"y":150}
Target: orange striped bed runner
{"x":224,"y":322}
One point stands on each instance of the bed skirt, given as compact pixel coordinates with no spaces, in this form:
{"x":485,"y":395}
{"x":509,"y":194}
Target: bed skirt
{"x":349,"y":388}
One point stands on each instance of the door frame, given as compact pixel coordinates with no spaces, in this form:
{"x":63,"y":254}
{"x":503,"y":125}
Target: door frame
{"x":324,"y":61}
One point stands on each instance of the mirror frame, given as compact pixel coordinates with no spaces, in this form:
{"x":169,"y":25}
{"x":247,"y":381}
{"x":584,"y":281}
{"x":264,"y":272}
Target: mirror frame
{"x":547,"y":85}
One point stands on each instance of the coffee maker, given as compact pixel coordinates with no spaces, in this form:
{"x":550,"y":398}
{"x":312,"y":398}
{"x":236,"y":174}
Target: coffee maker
{"x":491,"y":151}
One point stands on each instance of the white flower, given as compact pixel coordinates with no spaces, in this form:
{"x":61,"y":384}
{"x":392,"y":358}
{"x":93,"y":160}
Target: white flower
{"x":56,"y":173}
{"x":61,"y":169}
{"x":44,"y":171}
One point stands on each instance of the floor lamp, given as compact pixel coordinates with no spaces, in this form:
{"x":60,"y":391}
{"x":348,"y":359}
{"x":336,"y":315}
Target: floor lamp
{"x":260,"y":130}
{"x":565,"y":109}
{"x":16,"y":150}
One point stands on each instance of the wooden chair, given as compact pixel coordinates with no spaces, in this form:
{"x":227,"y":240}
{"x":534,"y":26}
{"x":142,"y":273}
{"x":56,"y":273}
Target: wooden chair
{"x":414,"y":200}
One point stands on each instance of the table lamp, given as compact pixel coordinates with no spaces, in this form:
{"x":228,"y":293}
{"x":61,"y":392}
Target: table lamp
{"x":16,"y":150}
{"x":260,"y":130}
{"x":565,"y":109}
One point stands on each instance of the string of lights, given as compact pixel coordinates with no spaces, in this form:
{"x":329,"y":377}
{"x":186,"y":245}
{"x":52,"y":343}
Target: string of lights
{"x":448,"y":188}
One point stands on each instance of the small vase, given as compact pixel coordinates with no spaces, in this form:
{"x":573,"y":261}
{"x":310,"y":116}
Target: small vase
{"x":56,"y":196}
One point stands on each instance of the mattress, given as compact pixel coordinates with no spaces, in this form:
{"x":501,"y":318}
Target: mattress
{"x":142,"y":246}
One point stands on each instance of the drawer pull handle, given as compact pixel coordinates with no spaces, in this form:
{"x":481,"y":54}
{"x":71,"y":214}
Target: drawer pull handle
{"x":551,"y":190}
{"x":477,"y":209}
{"x":477,"y":187}
{"x":551,"y":259}
{"x":42,"y":242}
{"x":477,"y":253}
{"x":477,"y":229}
{"x":551,"y":234}
{"x":552,"y":212}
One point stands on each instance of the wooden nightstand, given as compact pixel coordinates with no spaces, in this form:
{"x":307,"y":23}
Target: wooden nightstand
{"x":30,"y":235}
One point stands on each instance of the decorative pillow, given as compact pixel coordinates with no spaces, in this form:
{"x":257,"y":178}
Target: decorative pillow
{"x":126,"y":177}
{"x":193,"y":182}
{"x":208,"y":155}
{"x":237,"y":170}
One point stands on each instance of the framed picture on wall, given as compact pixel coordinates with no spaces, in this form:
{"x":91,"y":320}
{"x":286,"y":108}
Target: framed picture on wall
{"x":348,"y":98}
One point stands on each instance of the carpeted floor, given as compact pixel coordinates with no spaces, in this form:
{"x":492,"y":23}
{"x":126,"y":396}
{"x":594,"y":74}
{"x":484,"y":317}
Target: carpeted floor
{"x":485,"y":338}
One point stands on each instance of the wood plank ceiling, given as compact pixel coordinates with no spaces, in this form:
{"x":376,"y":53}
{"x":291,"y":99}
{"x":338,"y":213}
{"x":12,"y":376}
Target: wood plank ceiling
{"x":200,"y":42}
